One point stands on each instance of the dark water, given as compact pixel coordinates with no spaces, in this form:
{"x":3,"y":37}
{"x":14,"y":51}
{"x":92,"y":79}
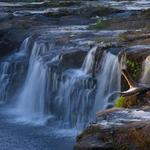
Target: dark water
{"x":16,"y":136}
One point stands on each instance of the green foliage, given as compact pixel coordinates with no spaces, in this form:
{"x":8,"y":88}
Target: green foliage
{"x":99,"y":25}
{"x":120,"y":101}
{"x":134,"y":68}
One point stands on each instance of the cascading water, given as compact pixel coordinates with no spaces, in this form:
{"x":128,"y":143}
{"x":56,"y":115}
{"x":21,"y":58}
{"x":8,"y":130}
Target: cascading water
{"x":4,"y":80}
{"x":108,"y":80}
{"x":88,"y":63}
{"x":12,"y":69}
{"x":75,"y":96}
{"x":31,"y":98}
{"x":72,"y":96}
{"x":76,"y":93}
{"x":145,"y":79}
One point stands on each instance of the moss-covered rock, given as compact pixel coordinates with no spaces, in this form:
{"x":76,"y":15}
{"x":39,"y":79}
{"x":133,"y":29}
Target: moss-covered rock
{"x":120,"y":101}
{"x":128,"y":101}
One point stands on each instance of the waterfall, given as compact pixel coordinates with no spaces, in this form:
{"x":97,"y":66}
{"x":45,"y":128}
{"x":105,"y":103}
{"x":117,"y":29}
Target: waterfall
{"x":75,"y":95}
{"x":4,"y":81}
{"x":72,"y":96}
{"x":145,"y":79}
{"x":108,"y":80}
{"x":89,"y":61}
{"x":12,"y":69}
{"x":76,"y":98}
{"x":31,"y":98}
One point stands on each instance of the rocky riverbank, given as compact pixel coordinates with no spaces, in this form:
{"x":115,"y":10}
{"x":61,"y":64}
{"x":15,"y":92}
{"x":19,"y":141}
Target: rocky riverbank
{"x":117,"y":129}
{"x":124,"y":128}
{"x":67,"y":33}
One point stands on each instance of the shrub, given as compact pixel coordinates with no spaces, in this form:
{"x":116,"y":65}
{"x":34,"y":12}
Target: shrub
{"x":120,"y":101}
{"x":134,"y":67}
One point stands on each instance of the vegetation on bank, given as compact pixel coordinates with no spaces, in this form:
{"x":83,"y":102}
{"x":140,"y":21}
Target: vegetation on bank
{"x":128,"y":101}
{"x":134,"y":68}
{"x":120,"y":101}
{"x":100,"y":24}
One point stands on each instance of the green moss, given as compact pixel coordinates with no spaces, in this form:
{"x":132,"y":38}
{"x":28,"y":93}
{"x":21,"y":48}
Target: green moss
{"x":134,"y":68}
{"x":120,"y":101}
{"x":99,"y":25}
{"x":128,"y":101}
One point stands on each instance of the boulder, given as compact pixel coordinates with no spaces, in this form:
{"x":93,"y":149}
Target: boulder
{"x":117,"y":129}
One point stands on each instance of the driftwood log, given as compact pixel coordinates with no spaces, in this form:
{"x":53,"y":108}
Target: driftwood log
{"x":134,"y":88}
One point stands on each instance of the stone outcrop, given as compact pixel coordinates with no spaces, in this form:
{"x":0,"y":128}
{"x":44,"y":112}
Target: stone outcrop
{"x":117,"y":129}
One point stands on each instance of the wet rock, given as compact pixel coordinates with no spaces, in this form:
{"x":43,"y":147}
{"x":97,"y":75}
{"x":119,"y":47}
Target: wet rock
{"x":85,"y":11}
{"x":148,"y":94}
{"x":117,"y":129}
{"x":11,"y":39}
{"x":63,"y":3}
{"x":4,"y":16}
{"x":68,"y":60}
{"x":135,"y":56}
{"x":135,"y":100}
{"x":92,"y":143}
{"x":135,"y":37}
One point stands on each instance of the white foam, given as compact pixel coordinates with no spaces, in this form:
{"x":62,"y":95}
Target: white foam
{"x":141,"y":114}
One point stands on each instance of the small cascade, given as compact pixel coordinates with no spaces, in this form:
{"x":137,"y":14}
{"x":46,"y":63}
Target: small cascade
{"x":145,"y":79}
{"x":12,"y":70}
{"x":25,"y":46}
{"x":88,"y":63}
{"x":75,"y":98}
{"x":31,"y":98}
{"x":4,"y":81}
{"x":108,"y":81}
{"x":76,"y":92}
